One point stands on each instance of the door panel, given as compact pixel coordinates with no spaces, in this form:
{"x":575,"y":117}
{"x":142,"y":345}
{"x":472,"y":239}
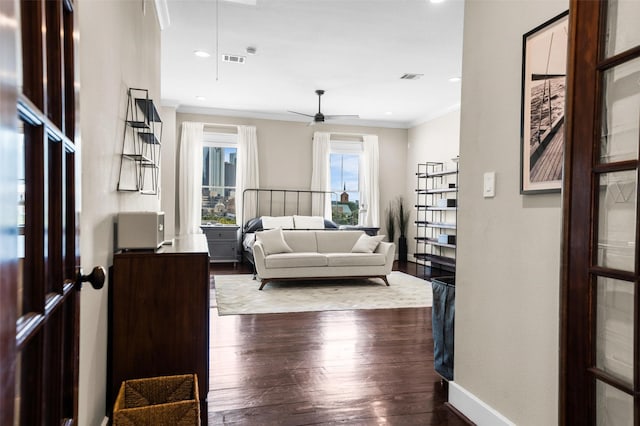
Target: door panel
{"x":617,"y":220}
{"x":622,"y":29}
{"x":614,"y":329}
{"x":620,"y":113}
{"x":39,"y":298}
{"x":600,"y":362}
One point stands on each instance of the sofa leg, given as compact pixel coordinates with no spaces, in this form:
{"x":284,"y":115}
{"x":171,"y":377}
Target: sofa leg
{"x":384,"y":278}
{"x":263,"y":283}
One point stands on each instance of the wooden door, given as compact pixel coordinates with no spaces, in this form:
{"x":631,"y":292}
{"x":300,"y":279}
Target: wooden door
{"x":600,"y":363}
{"x":39,"y":303}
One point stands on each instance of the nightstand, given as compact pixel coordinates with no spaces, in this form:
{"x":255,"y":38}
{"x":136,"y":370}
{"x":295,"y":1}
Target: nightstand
{"x":223,"y":242}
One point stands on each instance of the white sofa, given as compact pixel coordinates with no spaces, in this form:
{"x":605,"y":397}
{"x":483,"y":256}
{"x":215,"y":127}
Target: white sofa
{"x":287,"y":255}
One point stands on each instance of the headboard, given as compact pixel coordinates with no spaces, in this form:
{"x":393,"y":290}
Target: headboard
{"x":281,"y":202}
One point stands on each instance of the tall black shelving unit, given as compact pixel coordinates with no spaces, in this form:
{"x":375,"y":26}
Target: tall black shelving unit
{"x":140,"y":156}
{"x":436,"y":205}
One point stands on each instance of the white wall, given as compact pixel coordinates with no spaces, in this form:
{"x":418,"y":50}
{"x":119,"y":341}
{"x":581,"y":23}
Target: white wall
{"x":168,"y":170}
{"x":436,"y":140}
{"x":119,"y":48}
{"x":507,"y":289}
{"x":285,"y":155}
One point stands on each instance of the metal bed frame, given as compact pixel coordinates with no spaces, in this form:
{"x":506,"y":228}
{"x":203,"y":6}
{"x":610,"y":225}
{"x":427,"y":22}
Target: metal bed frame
{"x":278,"y":202}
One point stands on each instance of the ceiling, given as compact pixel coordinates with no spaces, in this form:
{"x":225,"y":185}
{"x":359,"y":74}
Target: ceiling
{"x":355,"y":50}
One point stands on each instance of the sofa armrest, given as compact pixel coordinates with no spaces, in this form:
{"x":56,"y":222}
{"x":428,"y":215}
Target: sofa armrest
{"x":258,"y":258}
{"x":389,"y":250}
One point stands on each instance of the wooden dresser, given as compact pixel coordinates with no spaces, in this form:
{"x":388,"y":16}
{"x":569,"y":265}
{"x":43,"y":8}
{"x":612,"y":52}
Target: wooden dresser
{"x":159,"y":315}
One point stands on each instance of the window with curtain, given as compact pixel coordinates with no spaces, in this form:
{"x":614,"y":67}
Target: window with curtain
{"x":219,"y":163}
{"x":345,"y":159}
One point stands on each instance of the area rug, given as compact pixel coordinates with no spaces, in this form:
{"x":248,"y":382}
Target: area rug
{"x":239,"y":294}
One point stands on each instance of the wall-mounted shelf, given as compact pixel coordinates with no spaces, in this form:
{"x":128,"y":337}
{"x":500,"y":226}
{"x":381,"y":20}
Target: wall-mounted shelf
{"x":436,"y":209}
{"x":140,"y":156}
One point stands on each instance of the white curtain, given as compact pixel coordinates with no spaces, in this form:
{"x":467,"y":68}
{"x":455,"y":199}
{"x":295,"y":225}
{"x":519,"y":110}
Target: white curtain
{"x":190,"y":179}
{"x":370,"y":190}
{"x":320,"y":176}
{"x":247,"y":173}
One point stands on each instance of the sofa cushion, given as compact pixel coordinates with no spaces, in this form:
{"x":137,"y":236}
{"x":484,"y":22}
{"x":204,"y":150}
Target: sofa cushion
{"x":301,"y":241}
{"x":337,"y":241}
{"x":355,"y":259}
{"x":273,"y":242}
{"x":295,"y":260}
{"x":366,"y":243}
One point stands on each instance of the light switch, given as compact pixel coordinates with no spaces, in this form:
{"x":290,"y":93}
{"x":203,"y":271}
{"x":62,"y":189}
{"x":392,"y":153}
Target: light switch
{"x":489,"y":189}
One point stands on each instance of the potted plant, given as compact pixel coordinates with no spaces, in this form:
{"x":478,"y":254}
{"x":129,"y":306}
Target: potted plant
{"x":403,"y":223}
{"x":391,"y":223}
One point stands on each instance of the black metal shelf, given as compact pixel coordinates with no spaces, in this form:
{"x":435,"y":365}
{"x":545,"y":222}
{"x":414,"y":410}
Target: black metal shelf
{"x":435,"y":258}
{"x":140,"y":145}
{"x":434,"y":242}
{"x":434,"y":208}
{"x":149,"y":137}
{"x":436,"y":190}
{"x":437,"y":187}
{"x":440,"y":225}
{"x":148,"y":108}
{"x":437,"y":174}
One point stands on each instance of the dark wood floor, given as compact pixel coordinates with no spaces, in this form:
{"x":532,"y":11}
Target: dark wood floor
{"x":361,"y":367}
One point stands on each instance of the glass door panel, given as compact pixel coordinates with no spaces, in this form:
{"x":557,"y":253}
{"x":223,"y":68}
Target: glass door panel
{"x":623,"y":31}
{"x":620,"y":113}
{"x":613,"y":407}
{"x":21,"y":202}
{"x":617,"y":220}
{"x":614,"y":328}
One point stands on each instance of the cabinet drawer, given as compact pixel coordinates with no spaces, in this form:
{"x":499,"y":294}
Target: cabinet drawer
{"x":221,"y":233}
{"x":223,"y":250}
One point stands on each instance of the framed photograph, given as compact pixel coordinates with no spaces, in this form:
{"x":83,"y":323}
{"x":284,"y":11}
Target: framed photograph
{"x":544,"y":76}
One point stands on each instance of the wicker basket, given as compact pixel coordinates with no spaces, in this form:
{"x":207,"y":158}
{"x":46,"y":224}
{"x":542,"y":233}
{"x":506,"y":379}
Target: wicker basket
{"x":168,"y":400}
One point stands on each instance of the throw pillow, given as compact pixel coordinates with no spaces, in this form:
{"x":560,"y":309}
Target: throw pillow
{"x":367,"y":243}
{"x":308,"y":222}
{"x":270,"y":222}
{"x":273,"y":241}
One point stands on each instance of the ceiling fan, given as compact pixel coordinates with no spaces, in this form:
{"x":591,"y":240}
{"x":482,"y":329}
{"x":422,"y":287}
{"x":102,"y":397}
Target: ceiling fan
{"x":319,"y":117}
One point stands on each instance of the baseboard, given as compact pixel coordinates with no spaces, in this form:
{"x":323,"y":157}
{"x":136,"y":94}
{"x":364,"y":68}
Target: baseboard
{"x":474,"y":409}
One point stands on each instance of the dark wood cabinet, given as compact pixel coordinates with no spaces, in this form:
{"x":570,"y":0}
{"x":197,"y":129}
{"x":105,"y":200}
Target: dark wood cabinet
{"x":159,"y":315}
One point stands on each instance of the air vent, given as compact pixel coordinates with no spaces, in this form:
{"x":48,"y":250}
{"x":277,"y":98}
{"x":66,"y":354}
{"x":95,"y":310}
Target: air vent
{"x":236,"y":59}
{"x":411,"y":76}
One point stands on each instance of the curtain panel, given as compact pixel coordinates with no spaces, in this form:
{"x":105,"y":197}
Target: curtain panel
{"x":247,"y":173}
{"x":369,"y":176}
{"x":190,"y":179}
{"x":320,"y":175}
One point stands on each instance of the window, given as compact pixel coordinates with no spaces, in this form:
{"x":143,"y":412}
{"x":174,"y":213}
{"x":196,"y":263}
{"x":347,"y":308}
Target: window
{"x":344,"y":166}
{"x":219,"y":159}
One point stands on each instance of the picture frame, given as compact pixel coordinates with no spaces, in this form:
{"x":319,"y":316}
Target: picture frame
{"x":544,"y":76}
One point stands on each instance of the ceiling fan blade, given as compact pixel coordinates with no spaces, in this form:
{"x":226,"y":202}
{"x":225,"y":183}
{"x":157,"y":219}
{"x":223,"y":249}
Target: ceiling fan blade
{"x":334,"y":117}
{"x":302,"y":113}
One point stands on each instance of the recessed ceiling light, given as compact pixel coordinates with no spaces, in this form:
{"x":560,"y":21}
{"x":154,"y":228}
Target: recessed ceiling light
{"x":454,"y":79}
{"x":200,"y":98}
{"x":437,"y":1}
{"x":201,"y":53}
{"x":388,"y":113}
